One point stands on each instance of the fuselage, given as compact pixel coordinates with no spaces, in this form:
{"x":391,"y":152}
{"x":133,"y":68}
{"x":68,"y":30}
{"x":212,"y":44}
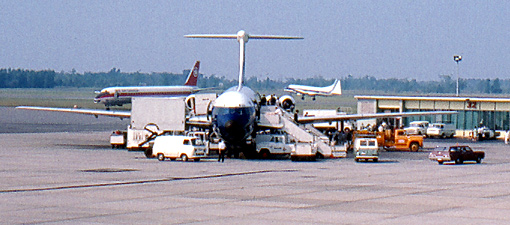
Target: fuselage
{"x":234,"y":114}
{"x":122,"y":95}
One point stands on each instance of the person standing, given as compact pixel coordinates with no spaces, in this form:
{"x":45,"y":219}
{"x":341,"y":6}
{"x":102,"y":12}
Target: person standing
{"x":221,"y":151}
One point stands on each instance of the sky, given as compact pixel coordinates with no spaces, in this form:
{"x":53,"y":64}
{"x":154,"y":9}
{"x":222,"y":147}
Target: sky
{"x":385,"y":39}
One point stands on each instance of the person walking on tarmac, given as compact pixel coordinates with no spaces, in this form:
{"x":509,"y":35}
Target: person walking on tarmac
{"x":221,"y":151}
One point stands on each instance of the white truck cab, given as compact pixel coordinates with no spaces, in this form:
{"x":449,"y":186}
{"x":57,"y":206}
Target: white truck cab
{"x":273,"y":144}
{"x":183,"y":147}
{"x":366,"y":148}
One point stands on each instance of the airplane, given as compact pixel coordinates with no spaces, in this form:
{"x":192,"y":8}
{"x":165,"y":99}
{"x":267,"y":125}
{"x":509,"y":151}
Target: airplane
{"x":234,"y":111}
{"x":112,"y":96}
{"x":334,"y":89}
{"x":233,"y":116}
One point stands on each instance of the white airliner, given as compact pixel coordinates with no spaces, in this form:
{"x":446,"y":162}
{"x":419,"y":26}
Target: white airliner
{"x":334,"y":89}
{"x":234,"y":111}
{"x":112,"y":96}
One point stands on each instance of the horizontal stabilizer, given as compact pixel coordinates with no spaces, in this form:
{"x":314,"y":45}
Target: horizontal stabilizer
{"x":94,"y":112}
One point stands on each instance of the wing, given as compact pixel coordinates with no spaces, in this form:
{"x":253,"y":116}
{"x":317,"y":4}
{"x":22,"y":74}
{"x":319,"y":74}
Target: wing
{"x":197,"y":121}
{"x":314,"y":119}
{"x":94,"y":112}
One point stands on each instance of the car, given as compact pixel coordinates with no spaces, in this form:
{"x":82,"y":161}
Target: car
{"x":457,"y":154}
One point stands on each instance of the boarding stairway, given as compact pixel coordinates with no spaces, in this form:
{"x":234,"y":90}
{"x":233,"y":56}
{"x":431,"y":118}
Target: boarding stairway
{"x":276,"y":117}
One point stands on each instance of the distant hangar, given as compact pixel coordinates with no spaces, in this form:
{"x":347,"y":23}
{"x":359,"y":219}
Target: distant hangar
{"x":473,"y":111}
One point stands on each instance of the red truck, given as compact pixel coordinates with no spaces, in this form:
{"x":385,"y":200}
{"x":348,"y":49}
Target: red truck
{"x":456,"y":153}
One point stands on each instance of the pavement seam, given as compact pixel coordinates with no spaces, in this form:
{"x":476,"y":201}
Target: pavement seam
{"x":143,"y":181}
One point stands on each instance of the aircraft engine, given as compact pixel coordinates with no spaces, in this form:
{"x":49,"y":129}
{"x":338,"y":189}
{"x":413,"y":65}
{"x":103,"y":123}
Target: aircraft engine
{"x":190,"y":102}
{"x":287,"y":102}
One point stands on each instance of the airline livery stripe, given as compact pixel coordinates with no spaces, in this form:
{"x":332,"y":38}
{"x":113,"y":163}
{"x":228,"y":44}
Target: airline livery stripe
{"x":138,"y":94}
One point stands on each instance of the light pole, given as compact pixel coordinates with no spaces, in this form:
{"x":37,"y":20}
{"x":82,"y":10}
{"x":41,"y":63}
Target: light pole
{"x":457,"y":59}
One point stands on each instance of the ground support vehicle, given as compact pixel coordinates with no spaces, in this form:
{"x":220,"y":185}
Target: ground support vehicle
{"x":417,"y":127}
{"x":366,"y":149}
{"x":442,"y":130}
{"x":179,"y":147}
{"x":339,"y":151}
{"x":273,"y":144}
{"x":457,"y":154}
{"x":118,"y":139}
{"x":304,"y":151}
{"x":483,"y":133}
{"x":147,"y":124}
{"x":393,"y":139}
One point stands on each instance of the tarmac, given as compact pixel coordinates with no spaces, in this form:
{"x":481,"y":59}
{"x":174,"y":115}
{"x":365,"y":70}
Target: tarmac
{"x":61,"y":175}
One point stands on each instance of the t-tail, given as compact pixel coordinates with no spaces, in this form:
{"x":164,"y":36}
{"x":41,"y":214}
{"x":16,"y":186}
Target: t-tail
{"x":242,"y":37}
{"x":193,"y":75}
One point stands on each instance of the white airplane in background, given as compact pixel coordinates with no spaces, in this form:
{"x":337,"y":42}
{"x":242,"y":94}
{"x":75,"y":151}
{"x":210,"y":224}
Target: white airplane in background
{"x":334,"y":89}
{"x":112,"y":96}
{"x":234,"y":111}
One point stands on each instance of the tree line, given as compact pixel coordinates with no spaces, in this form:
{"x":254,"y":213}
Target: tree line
{"x":22,"y":78}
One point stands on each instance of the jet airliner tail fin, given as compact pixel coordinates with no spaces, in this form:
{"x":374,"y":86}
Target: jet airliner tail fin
{"x":193,"y":75}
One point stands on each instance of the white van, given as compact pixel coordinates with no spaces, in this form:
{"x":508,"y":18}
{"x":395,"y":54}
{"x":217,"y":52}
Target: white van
{"x":442,"y":130}
{"x":366,"y":148}
{"x":183,"y":147}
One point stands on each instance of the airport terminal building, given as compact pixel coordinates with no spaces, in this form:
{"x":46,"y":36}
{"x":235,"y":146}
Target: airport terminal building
{"x":472,"y":111}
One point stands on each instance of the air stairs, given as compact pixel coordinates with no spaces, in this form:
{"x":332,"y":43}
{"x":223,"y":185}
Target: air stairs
{"x":276,"y":117}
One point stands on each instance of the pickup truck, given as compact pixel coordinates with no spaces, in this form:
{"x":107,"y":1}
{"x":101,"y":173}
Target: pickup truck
{"x":442,"y":130}
{"x":417,"y":127}
{"x":273,"y":144}
{"x":456,"y":153}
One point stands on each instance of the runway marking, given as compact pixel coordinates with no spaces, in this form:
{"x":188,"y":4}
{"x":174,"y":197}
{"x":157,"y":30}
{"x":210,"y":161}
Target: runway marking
{"x":145,"y":181}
